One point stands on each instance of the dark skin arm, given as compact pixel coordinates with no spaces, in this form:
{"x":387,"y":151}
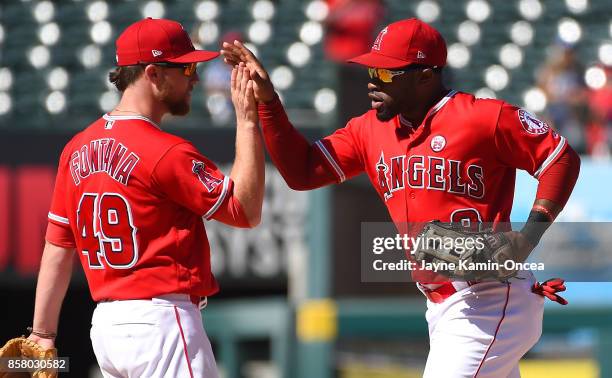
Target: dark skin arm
{"x":521,"y":245}
{"x":554,"y":188}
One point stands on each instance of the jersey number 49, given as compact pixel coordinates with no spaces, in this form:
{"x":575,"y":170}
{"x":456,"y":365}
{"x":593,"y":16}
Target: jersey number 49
{"x":106,"y":228}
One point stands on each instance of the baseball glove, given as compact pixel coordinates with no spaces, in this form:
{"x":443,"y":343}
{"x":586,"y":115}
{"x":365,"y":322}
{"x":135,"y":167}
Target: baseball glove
{"x":458,"y":253}
{"x":21,"y":347}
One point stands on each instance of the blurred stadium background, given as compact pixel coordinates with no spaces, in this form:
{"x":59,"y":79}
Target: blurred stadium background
{"x":292,"y":302}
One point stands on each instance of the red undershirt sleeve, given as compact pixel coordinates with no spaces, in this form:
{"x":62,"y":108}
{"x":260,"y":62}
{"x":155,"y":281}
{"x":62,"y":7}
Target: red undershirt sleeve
{"x":557,"y":182}
{"x":305,"y":166}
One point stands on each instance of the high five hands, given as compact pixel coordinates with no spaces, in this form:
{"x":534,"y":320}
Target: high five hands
{"x":243,"y":96}
{"x":236,"y":53}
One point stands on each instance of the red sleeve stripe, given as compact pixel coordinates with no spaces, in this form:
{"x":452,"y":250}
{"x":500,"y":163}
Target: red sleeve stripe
{"x":220,"y":200}
{"x":552,"y":157}
{"x":331,"y":161}
{"x":57,"y":218}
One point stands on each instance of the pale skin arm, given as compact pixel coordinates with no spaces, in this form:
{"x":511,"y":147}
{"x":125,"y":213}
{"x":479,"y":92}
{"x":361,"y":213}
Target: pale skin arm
{"x":248,"y":172}
{"x":53,"y":279}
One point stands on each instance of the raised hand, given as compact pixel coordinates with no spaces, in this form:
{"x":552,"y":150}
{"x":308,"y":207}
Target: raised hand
{"x":243,"y":96}
{"x":236,"y":53}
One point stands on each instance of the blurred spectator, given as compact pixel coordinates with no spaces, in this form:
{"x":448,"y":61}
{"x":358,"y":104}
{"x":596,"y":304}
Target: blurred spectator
{"x":561,"y":79}
{"x":350,"y":30}
{"x":351,"y":25}
{"x":216,"y":81}
{"x":599,"y":128}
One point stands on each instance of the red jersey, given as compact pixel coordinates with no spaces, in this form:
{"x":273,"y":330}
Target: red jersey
{"x":458,"y":165}
{"x":132,"y":199}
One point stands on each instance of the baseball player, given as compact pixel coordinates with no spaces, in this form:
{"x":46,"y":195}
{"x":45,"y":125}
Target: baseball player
{"x":132,"y":200}
{"x":436,"y":153}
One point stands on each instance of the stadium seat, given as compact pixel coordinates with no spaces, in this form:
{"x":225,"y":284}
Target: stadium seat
{"x":21,"y":22}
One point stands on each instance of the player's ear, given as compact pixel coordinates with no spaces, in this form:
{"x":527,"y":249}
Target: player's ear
{"x":153,"y":73}
{"x":426,"y":75}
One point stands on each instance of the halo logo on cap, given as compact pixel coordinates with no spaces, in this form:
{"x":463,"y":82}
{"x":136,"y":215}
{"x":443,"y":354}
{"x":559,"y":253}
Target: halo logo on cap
{"x":405,"y":42}
{"x":378,"y":41}
{"x":156,"y":53}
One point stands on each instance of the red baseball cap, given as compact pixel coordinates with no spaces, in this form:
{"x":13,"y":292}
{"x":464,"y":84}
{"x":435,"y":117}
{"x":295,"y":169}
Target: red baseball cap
{"x":405,"y":42}
{"x":158,"y":40}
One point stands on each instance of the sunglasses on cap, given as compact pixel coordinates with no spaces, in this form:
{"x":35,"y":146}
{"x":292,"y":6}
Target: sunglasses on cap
{"x":386,"y":76}
{"x":188,"y":68}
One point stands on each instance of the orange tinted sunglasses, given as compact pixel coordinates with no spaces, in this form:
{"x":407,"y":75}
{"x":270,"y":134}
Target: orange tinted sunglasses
{"x":188,"y":68}
{"x":385,"y":75}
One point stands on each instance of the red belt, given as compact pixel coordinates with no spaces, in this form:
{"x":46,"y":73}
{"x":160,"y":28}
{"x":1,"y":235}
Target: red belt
{"x":439,"y":294}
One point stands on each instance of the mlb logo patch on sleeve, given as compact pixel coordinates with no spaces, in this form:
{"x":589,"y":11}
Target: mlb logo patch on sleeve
{"x":531,"y":124}
{"x":210,"y":182}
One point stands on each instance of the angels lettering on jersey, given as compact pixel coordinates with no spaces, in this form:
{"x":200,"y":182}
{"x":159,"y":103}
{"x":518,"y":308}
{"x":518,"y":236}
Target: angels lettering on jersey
{"x":431,"y":173}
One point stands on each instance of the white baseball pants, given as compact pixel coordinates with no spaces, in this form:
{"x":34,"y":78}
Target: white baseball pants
{"x":161,"y":337}
{"x":483,"y":330}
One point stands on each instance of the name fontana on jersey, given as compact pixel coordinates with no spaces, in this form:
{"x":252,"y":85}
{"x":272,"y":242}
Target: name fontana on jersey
{"x":103,"y":155}
{"x":429,"y":172}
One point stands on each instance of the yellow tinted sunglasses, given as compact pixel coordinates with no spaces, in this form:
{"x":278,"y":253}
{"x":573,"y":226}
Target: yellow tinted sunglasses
{"x":383,"y":74}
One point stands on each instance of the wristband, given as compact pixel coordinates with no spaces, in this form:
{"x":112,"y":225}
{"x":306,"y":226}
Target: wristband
{"x":537,"y":223}
{"x":545,"y":211}
{"x":42,"y":334}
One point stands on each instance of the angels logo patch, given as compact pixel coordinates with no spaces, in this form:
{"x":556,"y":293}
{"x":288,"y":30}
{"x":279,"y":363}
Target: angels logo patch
{"x":531,"y":124}
{"x":210,"y":182}
{"x":438,"y":143}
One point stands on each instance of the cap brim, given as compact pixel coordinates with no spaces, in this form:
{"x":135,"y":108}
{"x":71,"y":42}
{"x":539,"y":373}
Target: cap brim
{"x":195,"y":56}
{"x":372,"y":59}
